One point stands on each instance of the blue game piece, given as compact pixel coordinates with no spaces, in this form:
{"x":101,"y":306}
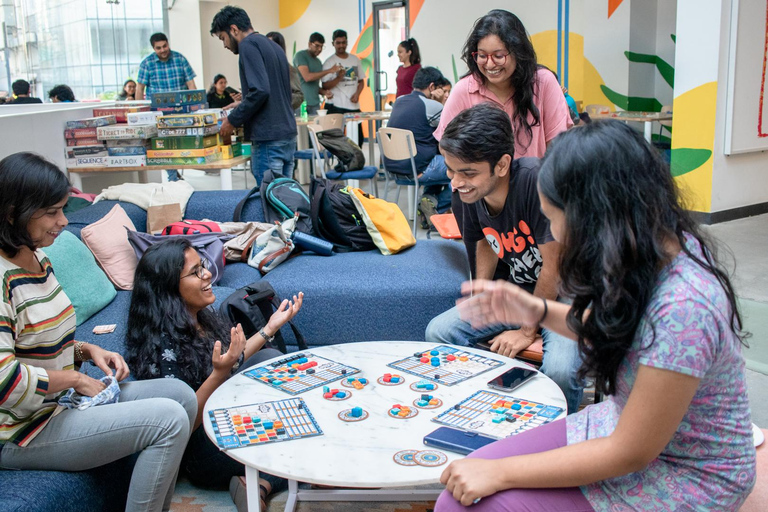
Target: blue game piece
{"x":497,"y":419}
{"x":268,"y":425}
{"x":434,"y":353}
{"x":422,"y":403}
{"x":395,"y":380}
{"x":435,"y":361}
{"x":421,"y":385}
{"x":430,"y":387}
{"x":356,"y":412}
{"x":292,"y":370}
{"x":516,"y":407}
{"x":394,"y":412}
{"x":326,"y":389}
{"x":277,"y":382}
{"x":310,"y":371}
{"x":363,"y":381}
{"x":255,"y":420}
{"x":341,"y":394}
{"x":350,"y":379}
{"x":426,"y":397}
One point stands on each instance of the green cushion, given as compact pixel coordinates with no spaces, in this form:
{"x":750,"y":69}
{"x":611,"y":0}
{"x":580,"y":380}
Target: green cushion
{"x":80,"y":277}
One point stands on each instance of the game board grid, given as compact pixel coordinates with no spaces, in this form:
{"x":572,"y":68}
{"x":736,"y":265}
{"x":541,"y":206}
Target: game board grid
{"x":448,"y":375}
{"x":326,"y":371}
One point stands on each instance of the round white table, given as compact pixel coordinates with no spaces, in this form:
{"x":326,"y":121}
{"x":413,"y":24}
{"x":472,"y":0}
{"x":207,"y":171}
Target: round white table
{"x":360,"y":454}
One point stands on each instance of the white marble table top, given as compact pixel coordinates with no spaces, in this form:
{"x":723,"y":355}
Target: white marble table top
{"x":360,"y":454}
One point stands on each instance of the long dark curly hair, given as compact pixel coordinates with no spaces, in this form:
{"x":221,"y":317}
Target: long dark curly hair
{"x":157,"y":310}
{"x":621,"y":207}
{"x":508,"y":27}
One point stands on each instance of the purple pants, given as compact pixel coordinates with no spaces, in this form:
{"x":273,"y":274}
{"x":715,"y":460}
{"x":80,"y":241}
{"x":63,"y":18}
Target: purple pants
{"x":540,"y":439}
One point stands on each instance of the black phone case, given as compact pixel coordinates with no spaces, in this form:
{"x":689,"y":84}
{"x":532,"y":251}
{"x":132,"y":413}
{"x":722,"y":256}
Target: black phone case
{"x":457,"y":441}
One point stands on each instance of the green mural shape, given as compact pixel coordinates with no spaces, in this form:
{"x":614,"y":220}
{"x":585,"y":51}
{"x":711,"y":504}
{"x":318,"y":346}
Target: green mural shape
{"x":455,"y":73}
{"x":666,"y":71}
{"x":633,"y":103}
{"x":685,"y":160}
{"x":294,"y":50}
{"x":673,"y":37}
{"x":366,"y":39}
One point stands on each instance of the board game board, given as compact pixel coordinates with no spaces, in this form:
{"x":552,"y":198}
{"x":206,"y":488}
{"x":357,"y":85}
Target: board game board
{"x":261,"y":423}
{"x":300,"y":372}
{"x":497,"y":415}
{"x":454,"y":364}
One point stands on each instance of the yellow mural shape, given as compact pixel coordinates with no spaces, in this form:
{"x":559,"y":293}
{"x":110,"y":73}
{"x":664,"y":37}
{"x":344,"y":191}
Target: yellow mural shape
{"x":694,"y":127}
{"x":291,"y":10}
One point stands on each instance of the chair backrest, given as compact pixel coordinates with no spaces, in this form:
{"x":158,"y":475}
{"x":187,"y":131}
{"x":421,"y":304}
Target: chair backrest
{"x":396,"y":143}
{"x":329,"y":121}
{"x":317,"y":148}
{"x":597,"y":108}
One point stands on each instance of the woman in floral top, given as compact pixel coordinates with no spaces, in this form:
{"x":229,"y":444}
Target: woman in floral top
{"x":657,"y":324}
{"x":173,"y":333}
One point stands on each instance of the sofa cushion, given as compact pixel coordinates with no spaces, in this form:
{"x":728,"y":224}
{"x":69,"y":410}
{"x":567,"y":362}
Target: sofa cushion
{"x":81,"y":218}
{"x":80,"y":277}
{"x":219,"y":205}
{"x":108,"y":241}
{"x":237,"y":275}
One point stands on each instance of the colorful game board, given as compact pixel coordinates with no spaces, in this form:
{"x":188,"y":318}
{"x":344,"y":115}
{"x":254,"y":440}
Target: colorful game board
{"x":497,"y":415}
{"x":454,"y":365}
{"x":300,"y":372}
{"x":267,"y":422}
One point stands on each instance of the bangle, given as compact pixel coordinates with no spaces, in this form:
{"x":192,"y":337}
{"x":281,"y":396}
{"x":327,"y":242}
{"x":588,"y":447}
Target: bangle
{"x":269,"y":339}
{"x":79,"y":351}
{"x":546,"y":309}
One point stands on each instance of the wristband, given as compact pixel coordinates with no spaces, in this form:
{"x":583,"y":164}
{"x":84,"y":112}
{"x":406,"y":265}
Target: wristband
{"x":79,"y":351}
{"x":263,"y":334}
{"x":543,"y":315}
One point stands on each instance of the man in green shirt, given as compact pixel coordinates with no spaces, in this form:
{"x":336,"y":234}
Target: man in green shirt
{"x":311,"y":71}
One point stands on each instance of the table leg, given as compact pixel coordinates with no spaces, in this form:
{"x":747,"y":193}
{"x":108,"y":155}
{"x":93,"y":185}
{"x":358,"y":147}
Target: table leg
{"x":292,"y":501}
{"x":143,"y":177}
{"x":76,"y":180}
{"x":225,"y":175}
{"x":252,"y":489}
{"x":648,"y":131}
{"x":371,"y":154}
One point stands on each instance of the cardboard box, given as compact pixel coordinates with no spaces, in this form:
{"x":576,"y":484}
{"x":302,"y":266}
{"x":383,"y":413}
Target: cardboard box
{"x":181,"y":109}
{"x":84,"y":142}
{"x":191,"y":160}
{"x":80,"y":133}
{"x":186,"y":121}
{"x":127,"y":151}
{"x":91,"y":122}
{"x":83,"y":151}
{"x":189,"y":142}
{"x":87,"y":162}
{"x":184,"y":153}
{"x":125,"y":131}
{"x":126,"y":161}
{"x":121,"y":143}
{"x":187,"y":132}
{"x":120,"y":113}
{"x":176,"y":98}
{"x":231,"y":151}
{"x":143,"y":117}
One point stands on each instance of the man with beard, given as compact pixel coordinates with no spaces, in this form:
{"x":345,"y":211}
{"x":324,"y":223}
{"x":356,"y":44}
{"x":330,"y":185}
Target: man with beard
{"x":265,"y":109}
{"x":311,"y":71}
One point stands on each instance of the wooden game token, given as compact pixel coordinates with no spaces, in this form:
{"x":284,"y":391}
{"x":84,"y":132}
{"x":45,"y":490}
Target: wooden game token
{"x":438,"y":404}
{"x":405,"y":457}
{"x":430,"y":458}
{"x":335,"y":398}
{"x":423,"y":390}
{"x":381,"y":381}
{"x":411,"y":414}
{"x":346,"y":415}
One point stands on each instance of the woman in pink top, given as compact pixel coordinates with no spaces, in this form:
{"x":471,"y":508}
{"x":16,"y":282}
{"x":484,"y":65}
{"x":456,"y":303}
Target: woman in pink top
{"x":409,"y":55}
{"x":503,"y":70}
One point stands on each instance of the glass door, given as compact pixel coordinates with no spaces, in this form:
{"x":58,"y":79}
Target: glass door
{"x":390,"y":26}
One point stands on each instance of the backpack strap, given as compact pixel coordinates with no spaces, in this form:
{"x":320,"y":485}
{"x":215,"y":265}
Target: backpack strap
{"x":239,"y":208}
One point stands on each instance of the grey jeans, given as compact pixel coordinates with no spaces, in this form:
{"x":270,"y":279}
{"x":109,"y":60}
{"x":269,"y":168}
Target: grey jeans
{"x":153,"y":417}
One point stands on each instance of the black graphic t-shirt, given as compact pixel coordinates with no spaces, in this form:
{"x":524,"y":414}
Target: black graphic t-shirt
{"x":517,"y":231}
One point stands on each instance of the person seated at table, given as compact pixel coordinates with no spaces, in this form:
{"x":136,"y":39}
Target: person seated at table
{"x":173,"y":333}
{"x":442,"y":91}
{"x":220,"y":95}
{"x":658,"y":327}
{"x":61,"y":94}
{"x":129,"y":91}
{"x":420,"y":114}
{"x":41,"y":358}
{"x":499,"y":216}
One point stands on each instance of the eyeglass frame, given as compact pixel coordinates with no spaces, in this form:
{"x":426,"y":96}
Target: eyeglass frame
{"x":198,"y":270}
{"x":492,"y":56}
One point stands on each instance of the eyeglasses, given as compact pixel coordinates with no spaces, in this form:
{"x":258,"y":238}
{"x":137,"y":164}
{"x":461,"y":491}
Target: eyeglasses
{"x":198,"y":271}
{"x":318,"y":46}
{"x":498,"y":58}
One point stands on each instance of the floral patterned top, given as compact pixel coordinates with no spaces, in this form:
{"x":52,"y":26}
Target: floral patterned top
{"x":709,"y":464}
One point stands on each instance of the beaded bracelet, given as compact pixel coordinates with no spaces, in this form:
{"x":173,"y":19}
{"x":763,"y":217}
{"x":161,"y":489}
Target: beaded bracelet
{"x":546,"y":309}
{"x":79,"y":351}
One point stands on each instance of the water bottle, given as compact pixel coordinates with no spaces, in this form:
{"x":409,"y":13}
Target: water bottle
{"x":303,"y":109}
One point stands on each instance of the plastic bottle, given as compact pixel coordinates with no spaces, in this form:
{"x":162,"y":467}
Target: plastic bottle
{"x":303,"y":109}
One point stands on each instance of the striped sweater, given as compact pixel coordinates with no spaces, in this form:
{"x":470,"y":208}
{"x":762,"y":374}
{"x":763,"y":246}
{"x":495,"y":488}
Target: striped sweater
{"x":37,"y":330}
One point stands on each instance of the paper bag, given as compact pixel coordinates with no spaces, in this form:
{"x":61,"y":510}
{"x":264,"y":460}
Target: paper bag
{"x":161,"y":215}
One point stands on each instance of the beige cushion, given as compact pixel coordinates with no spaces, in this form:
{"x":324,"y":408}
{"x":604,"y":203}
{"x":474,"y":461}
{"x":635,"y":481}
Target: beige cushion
{"x":108,"y":241}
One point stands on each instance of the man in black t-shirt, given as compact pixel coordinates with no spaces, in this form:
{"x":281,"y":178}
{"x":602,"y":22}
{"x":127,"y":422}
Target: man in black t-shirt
{"x":496,"y":204}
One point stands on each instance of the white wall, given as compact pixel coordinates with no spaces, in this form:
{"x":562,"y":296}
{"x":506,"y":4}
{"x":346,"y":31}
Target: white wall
{"x":184,"y":36}
{"x":642,"y":39}
{"x":738,"y":180}
{"x":666,"y":17}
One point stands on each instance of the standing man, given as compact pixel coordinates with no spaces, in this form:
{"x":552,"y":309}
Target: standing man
{"x":311,"y":71}
{"x":21,"y":91}
{"x":163,"y":71}
{"x":347,"y":86}
{"x":265,"y":109}
{"x":497,"y":208}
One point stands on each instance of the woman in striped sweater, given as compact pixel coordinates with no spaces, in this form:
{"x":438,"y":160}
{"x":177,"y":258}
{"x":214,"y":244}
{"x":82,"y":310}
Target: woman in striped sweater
{"x":39,"y":358}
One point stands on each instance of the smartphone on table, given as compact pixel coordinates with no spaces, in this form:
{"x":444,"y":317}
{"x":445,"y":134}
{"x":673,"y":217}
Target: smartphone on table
{"x":512,"y":379}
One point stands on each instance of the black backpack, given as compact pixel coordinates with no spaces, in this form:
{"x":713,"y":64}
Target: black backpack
{"x":282,"y":198}
{"x":350,"y":157}
{"x":336,"y":219}
{"x":252,"y":306}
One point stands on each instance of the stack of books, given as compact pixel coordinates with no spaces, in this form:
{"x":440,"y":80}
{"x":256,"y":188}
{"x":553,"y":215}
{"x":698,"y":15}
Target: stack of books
{"x":179,"y":102}
{"x":84,"y":149}
{"x":186,"y":139}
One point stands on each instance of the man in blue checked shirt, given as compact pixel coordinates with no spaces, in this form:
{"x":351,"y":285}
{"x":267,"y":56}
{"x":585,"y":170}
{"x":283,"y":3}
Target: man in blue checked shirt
{"x":163,"y":71}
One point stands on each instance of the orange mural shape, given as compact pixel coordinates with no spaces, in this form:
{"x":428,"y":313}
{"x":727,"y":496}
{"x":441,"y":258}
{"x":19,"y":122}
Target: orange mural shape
{"x":612,"y":6}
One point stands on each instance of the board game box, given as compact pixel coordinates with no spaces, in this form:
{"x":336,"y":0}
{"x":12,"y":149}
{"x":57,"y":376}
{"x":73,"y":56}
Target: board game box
{"x":176,"y":98}
{"x":126,"y":161}
{"x":185,"y":132}
{"x":149,"y":117}
{"x":94,"y":150}
{"x":80,"y":133}
{"x":91,"y":122}
{"x":87,"y":161}
{"x":496,"y":415}
{"x":190,"y":160}
{"x":187,"y":142}
{"x":90,"y":141}
{"x":186,"y":121}
{"x":266,"y":422}
{"x":127,"y":150}
{"x":181,"y":109}
{"x":184,"y":153}
{"x":121,"y":143}
{"x":300,"y":372}
{"x":124,"y":131}
{"x":445,"y":364}
{"x":120,"y":113}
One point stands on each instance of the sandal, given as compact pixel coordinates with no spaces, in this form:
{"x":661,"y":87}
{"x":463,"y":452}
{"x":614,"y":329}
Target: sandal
{"x":237,"y":489}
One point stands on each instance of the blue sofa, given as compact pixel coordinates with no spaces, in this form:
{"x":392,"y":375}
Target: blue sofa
{"x":349,"y":297}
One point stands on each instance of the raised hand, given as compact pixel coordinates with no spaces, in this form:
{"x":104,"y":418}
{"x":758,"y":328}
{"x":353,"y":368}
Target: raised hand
{"x":498,"y":302}
{"x":223,"y":363}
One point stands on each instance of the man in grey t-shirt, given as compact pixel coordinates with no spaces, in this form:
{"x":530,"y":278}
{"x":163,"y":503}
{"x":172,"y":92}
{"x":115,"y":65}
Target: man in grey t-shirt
{"x":311,"y":71}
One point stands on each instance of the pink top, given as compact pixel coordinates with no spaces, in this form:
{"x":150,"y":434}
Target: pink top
{"x":548,"y":98}
{"x":405,"y":79}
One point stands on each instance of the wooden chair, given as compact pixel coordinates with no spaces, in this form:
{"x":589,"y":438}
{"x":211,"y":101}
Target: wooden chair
{"x":323,"y":163}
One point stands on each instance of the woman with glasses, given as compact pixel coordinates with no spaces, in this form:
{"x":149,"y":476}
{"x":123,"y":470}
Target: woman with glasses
{"x":173,"y":333}
{"x":41,"y":357}
{"x":657,"y":323}
{"x":503,"y":71}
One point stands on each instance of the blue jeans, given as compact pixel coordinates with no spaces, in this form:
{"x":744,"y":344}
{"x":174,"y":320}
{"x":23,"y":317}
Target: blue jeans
{"x":173,"y":174}
{"x":274,"y":154}
{"x":561,"y":360}
{"x":435,"y":181}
